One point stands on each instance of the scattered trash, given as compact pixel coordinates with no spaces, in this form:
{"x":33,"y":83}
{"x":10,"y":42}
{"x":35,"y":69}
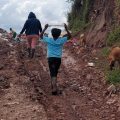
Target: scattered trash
{"x":96,"y":58}
{"x":91,"y":64}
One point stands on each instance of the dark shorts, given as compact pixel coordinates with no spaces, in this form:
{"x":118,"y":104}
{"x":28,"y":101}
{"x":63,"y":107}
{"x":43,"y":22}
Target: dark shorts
{"x":54,"y":65}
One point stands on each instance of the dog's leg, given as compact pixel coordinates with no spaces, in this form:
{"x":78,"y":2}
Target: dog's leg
{"x":112,"y":64}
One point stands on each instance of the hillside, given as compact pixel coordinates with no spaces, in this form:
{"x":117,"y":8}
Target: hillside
{"x":96,"y":18}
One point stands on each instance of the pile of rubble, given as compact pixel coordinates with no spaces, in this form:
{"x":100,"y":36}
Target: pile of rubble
{"x":4,"y":35}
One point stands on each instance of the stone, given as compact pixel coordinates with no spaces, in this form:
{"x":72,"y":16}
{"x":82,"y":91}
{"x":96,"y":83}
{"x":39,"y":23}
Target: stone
{"x":119,"y":109}
{"x":88,"y":77}
{"x":111,"y":89}
{"x":11,"y":104}
{"x":94,"y":52}
{"x":111,"y":101}
{"x":1,"y":66}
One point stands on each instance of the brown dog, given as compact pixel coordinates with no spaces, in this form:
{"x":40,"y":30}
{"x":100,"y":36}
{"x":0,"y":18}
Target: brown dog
{"x":114,"y":56}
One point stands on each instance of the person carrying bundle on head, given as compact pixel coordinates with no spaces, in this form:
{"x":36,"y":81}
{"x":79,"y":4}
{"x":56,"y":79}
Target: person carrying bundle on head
{"x":32,"y":28}
{"x":54,"y":53}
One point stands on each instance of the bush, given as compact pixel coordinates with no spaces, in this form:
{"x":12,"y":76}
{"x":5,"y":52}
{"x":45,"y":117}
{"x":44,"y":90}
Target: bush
{"x":113,"y":76}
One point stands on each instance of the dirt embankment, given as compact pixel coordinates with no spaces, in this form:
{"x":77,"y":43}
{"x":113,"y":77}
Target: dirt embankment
{"x":25,"y":92}
{"x":101,"y":16}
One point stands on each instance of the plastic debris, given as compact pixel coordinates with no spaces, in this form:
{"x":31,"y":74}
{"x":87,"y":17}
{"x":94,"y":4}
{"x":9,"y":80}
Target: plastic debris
{"x":91,"y":64}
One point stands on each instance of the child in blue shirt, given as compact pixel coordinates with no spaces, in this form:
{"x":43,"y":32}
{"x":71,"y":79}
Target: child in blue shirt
{"x":54,"y":53}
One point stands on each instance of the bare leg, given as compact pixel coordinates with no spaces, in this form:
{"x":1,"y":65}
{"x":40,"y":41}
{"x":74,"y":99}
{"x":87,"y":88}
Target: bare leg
{"x":29,"y":46}
{"x":33,"y":45}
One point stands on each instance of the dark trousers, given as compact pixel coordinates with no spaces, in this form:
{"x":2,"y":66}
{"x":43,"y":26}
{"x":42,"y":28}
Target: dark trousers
{"x":54,"y":65}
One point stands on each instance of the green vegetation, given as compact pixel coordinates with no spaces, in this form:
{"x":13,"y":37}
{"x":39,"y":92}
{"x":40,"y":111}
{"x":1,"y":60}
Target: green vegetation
{"x":105,"y":51}
{"x":78,"y":17}
{"x":113,"y":76}
{"x":103,"y":63}
{"x":78,"y":20}
{"x":118,"y":3}
{"x":114,"y":37}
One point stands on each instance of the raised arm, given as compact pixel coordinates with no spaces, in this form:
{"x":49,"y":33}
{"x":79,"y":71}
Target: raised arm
{"x":42,"y":33}
{"x":68,"y":33}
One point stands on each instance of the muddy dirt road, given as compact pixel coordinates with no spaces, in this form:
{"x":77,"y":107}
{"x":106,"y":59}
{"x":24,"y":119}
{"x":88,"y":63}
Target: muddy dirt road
{"x":25,"y":92}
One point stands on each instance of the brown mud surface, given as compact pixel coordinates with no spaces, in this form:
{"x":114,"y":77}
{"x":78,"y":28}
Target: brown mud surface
{"x":25,"y":91}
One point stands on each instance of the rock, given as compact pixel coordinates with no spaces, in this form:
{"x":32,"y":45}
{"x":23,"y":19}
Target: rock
{"x":35,"y":108}
{"x":111,"y":89}
{"x":94,"y":52}
{"x":83,"y":89}
{"x":89,"y":77}
{"x":119,"y":109}
{"x":96,"y":58}
{"x":40,"y":91}
{"x":113,"y":116}
{"x":111,"y":101}
{"x":11,"y":104}
{"x":11,"y":85}
{"x":74,"y":107}
{"x":1,"y":66}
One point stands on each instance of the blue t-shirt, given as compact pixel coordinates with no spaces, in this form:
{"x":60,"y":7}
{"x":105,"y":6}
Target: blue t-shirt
{"x":54,"y":47}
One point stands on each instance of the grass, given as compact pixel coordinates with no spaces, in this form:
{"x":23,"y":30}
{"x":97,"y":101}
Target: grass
{"x":105,"y":52}
{"x":113,"y":76}
{"x":78,"y":20}
{"x":113,"y":37}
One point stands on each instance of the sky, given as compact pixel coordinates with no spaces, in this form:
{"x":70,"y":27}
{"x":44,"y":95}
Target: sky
{"x":14,"y":13}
